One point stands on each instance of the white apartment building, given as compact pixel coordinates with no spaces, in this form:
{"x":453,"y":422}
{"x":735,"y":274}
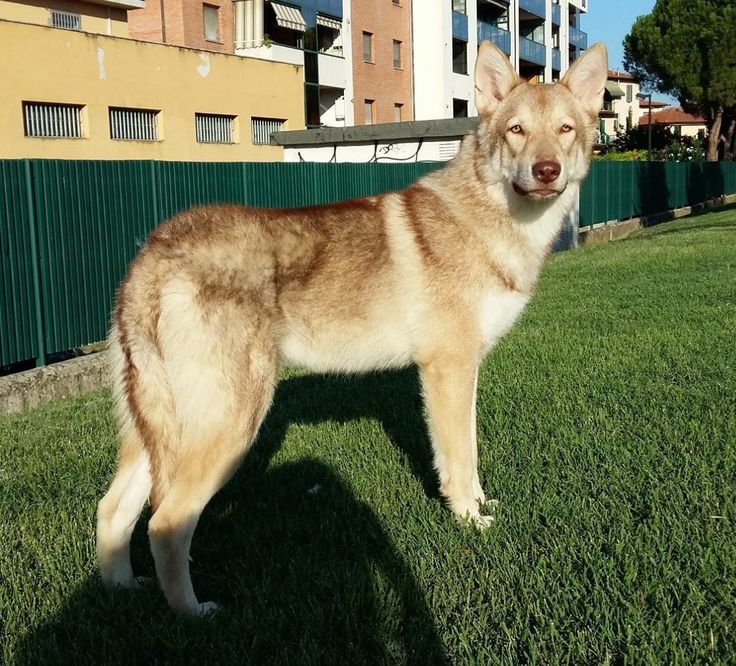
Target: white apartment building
{"x":541,"y":37}
{"x":311,"y":33}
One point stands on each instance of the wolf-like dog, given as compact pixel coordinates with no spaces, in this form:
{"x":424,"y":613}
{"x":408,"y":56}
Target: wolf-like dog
{"x":433,"y":275}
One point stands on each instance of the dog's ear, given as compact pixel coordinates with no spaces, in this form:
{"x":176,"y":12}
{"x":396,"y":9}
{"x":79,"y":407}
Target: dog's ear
{"x":495,"y":78}
{"x":586,"y":79}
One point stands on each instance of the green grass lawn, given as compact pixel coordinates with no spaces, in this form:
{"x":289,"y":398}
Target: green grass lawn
{"x":607,"y":424}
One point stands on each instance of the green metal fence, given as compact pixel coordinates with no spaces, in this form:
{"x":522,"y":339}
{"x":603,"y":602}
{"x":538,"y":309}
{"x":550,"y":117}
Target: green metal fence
{"x":69,"y":228}
{"x":620,"y":190}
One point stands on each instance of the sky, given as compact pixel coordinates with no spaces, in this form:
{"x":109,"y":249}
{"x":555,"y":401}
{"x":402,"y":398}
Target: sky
{"x":609,"y":21}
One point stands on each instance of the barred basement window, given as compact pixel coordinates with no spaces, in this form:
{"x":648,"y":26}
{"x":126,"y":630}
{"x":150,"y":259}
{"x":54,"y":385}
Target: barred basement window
{"x":261,"y":129}
{"x":57,"y":121}
{"x":213,"y":128}
{"x":133,"y":124}
{"x":66,"y":20}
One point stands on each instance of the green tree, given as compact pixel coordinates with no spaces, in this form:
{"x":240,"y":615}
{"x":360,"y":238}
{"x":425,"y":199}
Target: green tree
{"x":685,"y":48}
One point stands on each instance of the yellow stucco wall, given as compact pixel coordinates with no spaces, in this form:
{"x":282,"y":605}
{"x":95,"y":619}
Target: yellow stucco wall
{"x":94,"y":18}
{"x":51,"y":65}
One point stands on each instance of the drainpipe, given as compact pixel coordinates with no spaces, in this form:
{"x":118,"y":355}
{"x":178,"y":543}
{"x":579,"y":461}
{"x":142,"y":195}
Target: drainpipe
{"x":163,"y":22}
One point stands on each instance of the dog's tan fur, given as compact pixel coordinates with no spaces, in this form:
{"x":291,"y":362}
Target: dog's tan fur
{"x":433,"y":275}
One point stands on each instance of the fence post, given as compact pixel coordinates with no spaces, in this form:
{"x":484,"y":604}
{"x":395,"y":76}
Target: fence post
{"x":154,"y":187}
{"x":35,"y":263}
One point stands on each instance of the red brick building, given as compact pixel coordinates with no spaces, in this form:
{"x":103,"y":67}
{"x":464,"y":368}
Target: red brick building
{"x":382,"y":61}
{"x":191,"y":23}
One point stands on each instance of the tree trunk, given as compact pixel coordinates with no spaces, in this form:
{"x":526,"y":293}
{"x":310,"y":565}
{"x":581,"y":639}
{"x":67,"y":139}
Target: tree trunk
{"x":728,"y":137}
{"x":714,"y":134}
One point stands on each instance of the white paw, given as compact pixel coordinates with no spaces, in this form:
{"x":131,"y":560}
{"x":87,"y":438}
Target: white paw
{"x":481,"y":523}
{"x":207,"y":608}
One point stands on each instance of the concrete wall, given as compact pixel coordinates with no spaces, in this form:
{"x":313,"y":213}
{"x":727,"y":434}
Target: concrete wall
{"x":99,"y":72}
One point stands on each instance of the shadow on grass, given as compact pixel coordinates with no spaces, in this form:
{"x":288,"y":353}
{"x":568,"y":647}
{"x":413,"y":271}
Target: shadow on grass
{"x":305,"y":578}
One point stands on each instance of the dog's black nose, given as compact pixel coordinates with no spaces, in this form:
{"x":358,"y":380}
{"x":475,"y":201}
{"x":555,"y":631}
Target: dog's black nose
{"x":546,"y":172}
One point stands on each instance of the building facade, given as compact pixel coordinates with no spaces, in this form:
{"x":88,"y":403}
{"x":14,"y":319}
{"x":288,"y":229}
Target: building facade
{"x":190,"y":23}
{"x":99,"y":96}
{"x":377,"y":61}
{"x":382,"y":61}
{"x":678,"y":122}
{"x":541,"y":38}
{"x":103,"y":17}
{"x":621,"y":106}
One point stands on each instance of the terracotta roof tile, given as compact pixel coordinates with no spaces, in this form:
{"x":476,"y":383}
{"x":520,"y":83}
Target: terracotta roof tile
{"x":674,"y":116}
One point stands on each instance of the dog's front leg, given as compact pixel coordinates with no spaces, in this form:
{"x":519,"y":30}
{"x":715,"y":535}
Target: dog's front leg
{"x":449,"y":394}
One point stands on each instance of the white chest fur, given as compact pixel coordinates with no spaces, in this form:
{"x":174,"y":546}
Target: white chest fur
{"x":497,"y":312}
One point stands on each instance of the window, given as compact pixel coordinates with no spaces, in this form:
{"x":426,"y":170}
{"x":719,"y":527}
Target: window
{"x":66,"y":20}
{"x":311,"y":101}
{"x":367,"y":47}
{"x":214,"y":128}
{"x":211,"y":23}
{"x":54,"y":121}
{"x":397,"y":54}
{"x":133,"y":124}
{"x":629,"y":95}
{"x":458,"y":6}
{"x":261,"y":128}
{"x":368,"y":110}
{"x":285,"y":24}
{"x":397,"y":112}
{"x":329,"y":35}
{"x":459,"y":108}
{"x":459,"y":56}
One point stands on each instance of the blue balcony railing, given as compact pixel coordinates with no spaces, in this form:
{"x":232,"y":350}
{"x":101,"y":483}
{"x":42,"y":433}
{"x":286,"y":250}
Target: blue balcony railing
{"x":460,"y":26}
{"x":556,"y":59}
{"x":499,"y":36}
{"x":556,"y":15}
{"x":578,"y":38}
{"x":535,"y":7}
{"x":532,"y":51}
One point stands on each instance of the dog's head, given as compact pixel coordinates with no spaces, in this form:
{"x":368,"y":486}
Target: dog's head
{"x":539,"y":138}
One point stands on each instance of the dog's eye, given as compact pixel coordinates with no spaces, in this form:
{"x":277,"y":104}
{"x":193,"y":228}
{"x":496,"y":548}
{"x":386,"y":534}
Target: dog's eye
{"x":566,"y":128}
{"x":516,"y":129}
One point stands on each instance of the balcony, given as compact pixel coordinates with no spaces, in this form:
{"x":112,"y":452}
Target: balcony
{"x":556,"y":60}
{"x":532,"y":51}
{"x":499,"y":36}
{"x":578,"y":38}
{"x":556,"y":15}
{"x":460,"y":26}
{"x":535,"y":7}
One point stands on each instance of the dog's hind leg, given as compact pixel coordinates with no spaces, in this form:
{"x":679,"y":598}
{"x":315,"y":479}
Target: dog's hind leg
{"x":118,"y":512}
{"x":222,"y":371}
{"x":203,"y":467}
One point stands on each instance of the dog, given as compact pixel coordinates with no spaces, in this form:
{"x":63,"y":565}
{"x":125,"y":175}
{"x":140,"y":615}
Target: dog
{"x":432,"y":275}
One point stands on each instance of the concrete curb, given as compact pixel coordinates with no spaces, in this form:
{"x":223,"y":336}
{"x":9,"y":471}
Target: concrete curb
{"x":31,"y":388}
{"x":618,"y":229}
